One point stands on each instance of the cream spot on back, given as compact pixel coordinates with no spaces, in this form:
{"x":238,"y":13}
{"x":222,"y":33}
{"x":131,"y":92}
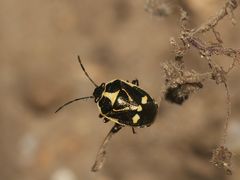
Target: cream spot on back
{"x":121,"y":101}
{"x":135,"y":118}
{"x":139,"y":108}
{"x":144,"y":99}
{"x":111,"y":96}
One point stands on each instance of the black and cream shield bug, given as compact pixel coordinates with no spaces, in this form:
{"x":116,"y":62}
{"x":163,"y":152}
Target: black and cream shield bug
{"x":123,"y":103}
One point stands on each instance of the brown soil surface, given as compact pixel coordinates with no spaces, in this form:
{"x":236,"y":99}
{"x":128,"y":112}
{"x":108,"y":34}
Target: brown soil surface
{"x":39,"y":44}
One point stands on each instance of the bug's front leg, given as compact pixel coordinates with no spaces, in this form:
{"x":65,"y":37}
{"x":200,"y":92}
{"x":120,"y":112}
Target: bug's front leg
{"x":105,"y":120}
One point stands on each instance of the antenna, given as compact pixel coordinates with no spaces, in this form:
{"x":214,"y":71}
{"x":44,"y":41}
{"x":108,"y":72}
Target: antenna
{"x":80,"y":62}
{"x":88,"y":97}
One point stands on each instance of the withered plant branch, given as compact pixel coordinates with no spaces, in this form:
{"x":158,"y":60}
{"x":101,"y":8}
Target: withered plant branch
{"x":226,"y":124}
{"x":189,"y":36}
{"x":227,"y":9}
{"x":181,"y":83}
{"x":217,"y":35}
{"x":210,"y":49}
{"x":101,"y":154}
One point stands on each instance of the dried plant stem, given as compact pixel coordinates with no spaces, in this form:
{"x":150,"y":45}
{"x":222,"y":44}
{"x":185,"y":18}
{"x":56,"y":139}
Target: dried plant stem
{"x":101,"y":155}
{"x":206,"y":49}
{"x":229,"y":7}
{"x":180,"y":82}
{"x":177,"y":76}
{"x":226,"y":125}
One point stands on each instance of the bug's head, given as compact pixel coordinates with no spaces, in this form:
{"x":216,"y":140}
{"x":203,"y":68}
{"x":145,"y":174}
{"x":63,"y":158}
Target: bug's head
{"x":97,"y":93}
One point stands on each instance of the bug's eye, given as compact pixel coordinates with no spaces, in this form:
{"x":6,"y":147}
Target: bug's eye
{"x":98,"y":92}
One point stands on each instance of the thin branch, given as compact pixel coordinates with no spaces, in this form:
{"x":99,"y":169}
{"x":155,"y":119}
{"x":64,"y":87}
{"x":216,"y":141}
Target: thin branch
{"x":228,"y":113}
{"x":228,"y":7}
{"x":101,"y":155}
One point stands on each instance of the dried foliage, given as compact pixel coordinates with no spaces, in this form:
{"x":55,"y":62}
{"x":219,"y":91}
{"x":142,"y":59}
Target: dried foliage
{"x":180,"y":82}
{"x":222,"y":158}
{"x":158,"y":8}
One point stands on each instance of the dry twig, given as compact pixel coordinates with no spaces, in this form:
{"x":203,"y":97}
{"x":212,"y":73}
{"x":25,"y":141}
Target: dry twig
{"x":180,"y":82}
{"x":101,"y":155}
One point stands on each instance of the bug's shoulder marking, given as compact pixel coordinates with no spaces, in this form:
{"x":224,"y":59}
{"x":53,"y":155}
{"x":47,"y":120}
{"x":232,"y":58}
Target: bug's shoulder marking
{"x":111,"y":96}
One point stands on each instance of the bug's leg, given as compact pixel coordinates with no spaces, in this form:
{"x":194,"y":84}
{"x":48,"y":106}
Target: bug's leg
{"x":105,"y":120}
{"x":116,"y":128}
{"x":102,"y":150}
{"x":136,"y":82}
{"x":133,"y":131}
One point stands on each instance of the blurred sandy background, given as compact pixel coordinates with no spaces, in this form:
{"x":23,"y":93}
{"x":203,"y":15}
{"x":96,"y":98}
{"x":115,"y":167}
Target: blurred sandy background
{"x":39,"y":44}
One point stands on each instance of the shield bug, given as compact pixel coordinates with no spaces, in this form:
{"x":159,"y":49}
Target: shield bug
{"x":121,"y":102}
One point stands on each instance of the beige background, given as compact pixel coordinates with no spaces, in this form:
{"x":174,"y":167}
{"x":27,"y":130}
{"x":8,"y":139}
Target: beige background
{"x":39,"y":44}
